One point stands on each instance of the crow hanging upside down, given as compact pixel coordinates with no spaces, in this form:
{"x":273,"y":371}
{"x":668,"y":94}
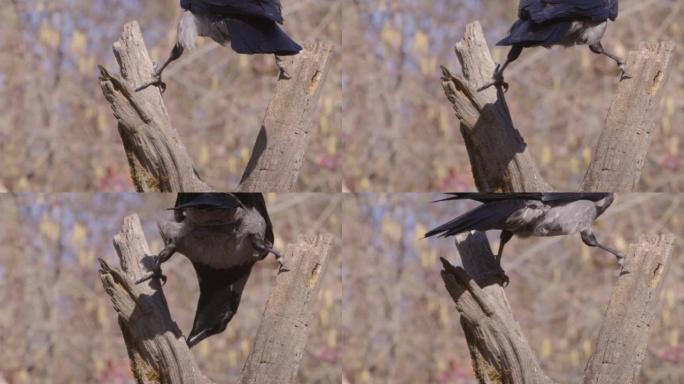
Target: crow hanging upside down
{"x":223,"y":235}
{"x":558,"y":22}
{"x":251,"y":27}
{"x":531,"y":214}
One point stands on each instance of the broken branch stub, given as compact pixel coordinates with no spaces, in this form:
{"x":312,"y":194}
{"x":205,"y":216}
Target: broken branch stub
{"x":156,"y":347}
{"x":284,"y":329}
{"x":280,"y":147}
{"x":498,"y":154}
{"x":158,"y":160}
{"x":622,"y":148}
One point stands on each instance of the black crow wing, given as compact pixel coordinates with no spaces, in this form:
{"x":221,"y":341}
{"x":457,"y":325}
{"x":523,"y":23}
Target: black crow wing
{"x":220,"y":293}
{"x":206,"y":200}
{"x":482,"y":218}
{"x":255,"y":36}
{"x":256,"y":200}
{"x":544,"y":11}
{"x":265,"y":9}
{"x":546,"y":197}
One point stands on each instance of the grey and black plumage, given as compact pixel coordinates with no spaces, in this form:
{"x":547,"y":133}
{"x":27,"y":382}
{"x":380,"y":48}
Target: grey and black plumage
{"x":251,"y":27}
{"x":223,"y":235}
{"x":547,"y":23}
{"x":531,"y":214}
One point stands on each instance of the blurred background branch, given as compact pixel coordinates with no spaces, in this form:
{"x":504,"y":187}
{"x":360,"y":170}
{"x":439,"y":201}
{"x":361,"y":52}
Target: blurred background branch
{"x":156,"y":346}
{"x":498,"y":348}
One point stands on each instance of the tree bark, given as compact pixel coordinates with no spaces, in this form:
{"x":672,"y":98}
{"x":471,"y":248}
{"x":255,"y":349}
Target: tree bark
{"x":498,"y":154}
{"x":499,"y":350}
{"x":621,"y":345}
{"x":279,"y":150}
{"x":158,"y":159}
{"x":282,"y":335}
{"x":157,"y":348}
{"x":621,"y":151}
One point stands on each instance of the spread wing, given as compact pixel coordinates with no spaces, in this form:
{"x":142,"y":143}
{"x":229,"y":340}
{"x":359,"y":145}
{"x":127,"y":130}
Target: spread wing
{"x":543,"y":11}
{"x":256,"y":200}
{"x":206,"y":200}
{"x":265,"y":9}
{"x":220,"y":293}
{"x":546,"y":197}
{"x":482,"y":218}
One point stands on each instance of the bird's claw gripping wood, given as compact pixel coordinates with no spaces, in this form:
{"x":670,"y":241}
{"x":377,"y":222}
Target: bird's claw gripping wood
{"x":505,"y":280}
{"x":281,"y":68}
{"x":282,"y":267}
{"x":156,"y":81}
{"x":623,"y":72}
{"x":156,"y":273}
{"x":497,"y":80}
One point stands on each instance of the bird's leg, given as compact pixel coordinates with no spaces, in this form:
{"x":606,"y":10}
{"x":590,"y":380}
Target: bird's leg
{"x":598,"y":49}
{"x":261,"y":245}
{"x":281,"y":67}
{"x":589,"y":239}
{"x":176,"y":53}
{"x":163,"y":257}
{"x":498,"y":79}
{"x":503,"y":239}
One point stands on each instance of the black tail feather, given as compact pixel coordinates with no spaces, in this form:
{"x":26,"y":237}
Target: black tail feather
{"x":253,"y":36}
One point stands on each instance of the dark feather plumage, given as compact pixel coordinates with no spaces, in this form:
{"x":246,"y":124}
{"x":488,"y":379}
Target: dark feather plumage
{"x":223,"y":235}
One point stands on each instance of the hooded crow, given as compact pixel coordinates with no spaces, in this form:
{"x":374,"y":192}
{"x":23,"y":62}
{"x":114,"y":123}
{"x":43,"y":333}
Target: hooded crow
{"x":251,"y":27}
{"x":531,"y":214}
{"x":223,"y":235}
{"x":558,"y":22}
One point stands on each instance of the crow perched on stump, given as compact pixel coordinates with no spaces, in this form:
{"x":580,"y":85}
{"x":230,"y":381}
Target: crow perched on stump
{"x":223,"y":235}
{"x":531,"y":214}
{"x":558,"y":22}
{"x":251,"y":27}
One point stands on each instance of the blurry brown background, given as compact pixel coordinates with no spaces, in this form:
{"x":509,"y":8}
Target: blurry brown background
{"x":57,"y":132}
{"x":400,"y":133}
{"x":401,"y":326}
{"x":57,"y":324}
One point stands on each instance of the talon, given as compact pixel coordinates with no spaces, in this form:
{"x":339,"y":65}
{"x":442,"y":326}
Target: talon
{"x":282,"y":267}
{"x":156,"y":274}
{"x":283,"y":72}
{"x":156,"y":81}
{"x":284,"y":75}
{"x":497,"y":81}
{"x":623,"y":74}
{"x":504,"y":279}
